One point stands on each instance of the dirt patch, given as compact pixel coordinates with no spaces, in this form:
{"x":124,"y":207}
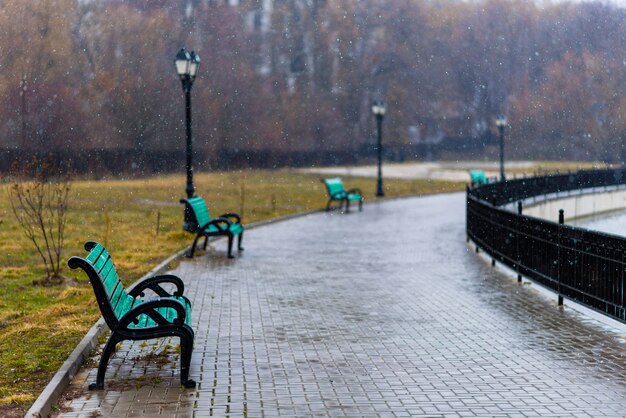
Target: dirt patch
{"x":56,"y":281}
{"x":12,"y":411}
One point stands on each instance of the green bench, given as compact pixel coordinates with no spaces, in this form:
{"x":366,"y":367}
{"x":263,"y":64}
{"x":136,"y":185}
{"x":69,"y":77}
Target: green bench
{"x":336,"y":192}
{"x":478,"y":178}
{"x":201,"y":223}
{"x":130,"y":316}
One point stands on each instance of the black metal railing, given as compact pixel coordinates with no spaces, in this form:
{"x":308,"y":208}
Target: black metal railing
{"x":582,"y":265}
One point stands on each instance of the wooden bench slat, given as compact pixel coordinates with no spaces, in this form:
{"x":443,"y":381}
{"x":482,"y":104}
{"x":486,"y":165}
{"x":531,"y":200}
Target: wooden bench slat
{"x":234,"y":228}
{"x":120,"y":300}
{"x":201,"y":210}
{"x":118,"y":292}
{"x":123,"y":305}
{"x":144,"y":322}
{"x":170,"y":314}
{"x":109,"y":278}
{"x":100,"y":262}
{"x":94,"y":254}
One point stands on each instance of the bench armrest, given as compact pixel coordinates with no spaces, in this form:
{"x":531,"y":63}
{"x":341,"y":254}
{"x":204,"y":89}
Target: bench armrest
{"x":216,"y":222}
{"x":355,"y":191}
{"x":231,"y":215}
{"x":149,"y":307}
{"x":154,"y":284}
{"x":338,"y":195}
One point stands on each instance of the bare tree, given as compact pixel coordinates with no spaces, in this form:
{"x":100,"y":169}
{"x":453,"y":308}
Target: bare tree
{"x":40,"y":206}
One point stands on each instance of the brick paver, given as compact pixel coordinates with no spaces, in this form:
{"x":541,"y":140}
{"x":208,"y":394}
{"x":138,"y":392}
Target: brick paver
{"x":386,"y":312}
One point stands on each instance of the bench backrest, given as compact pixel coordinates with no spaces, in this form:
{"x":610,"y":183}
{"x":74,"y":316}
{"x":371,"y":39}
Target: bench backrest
{"x":334,"y":186}
{"x":478,"y":177}
{"x":113,"y":299}
{"x":198,"y":208}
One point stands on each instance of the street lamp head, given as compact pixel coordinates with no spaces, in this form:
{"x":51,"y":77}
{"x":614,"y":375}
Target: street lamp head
{"x":501,"y":121}
{"x":194,"y":64}
{"x":379,"y":108}
{"x":183,"y":63}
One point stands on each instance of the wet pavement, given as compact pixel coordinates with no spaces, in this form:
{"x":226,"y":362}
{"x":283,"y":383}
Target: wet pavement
{"x":385,"y":312}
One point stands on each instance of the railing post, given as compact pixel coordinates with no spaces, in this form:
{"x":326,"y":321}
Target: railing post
{"x":519,"y":217}
{"x":561,"y":222}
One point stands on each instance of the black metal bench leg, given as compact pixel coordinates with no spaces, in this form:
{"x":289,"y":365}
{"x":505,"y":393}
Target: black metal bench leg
{"x":361,"y":205}
{"x":186,"y":348}
{"x":230,"y":246}
{"x":193,"y":247}
{"x":239,"y":247}
{"x":328,"y":204}
{"x":206,"y":240}
{"x":347,"y":205}
{"x":109,"y":348}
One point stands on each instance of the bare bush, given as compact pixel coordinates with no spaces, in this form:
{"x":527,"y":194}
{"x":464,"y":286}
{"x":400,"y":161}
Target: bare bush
{"x":39,"y":195}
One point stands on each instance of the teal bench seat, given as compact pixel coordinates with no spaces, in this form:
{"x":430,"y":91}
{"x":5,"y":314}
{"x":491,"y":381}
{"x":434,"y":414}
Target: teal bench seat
{"x":201,"y":223}
{"x":336,"y":192}
{"x":130,"y":316}
{"x":478,"y":178}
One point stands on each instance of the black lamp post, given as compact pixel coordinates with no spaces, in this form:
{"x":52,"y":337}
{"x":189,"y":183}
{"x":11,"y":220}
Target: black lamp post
{"x":187,"y":64}
{"x":379,"y":109}
{"x":501,"y":124}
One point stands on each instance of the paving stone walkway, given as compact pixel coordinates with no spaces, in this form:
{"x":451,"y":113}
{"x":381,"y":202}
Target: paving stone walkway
{"x":387,"y":312}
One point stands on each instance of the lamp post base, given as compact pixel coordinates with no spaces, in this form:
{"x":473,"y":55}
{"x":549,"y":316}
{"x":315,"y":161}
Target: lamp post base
{"x":379,"y":189}
{"x":189,"y":190}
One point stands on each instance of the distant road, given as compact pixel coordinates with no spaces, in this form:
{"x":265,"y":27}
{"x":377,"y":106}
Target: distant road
{"x":451,"y":171}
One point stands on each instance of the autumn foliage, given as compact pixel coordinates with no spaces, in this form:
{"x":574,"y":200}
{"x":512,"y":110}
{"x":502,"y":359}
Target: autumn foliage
{"x":299,"y":76}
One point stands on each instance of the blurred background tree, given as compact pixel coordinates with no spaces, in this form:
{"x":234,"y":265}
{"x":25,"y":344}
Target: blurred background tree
{"x":291,"y":81}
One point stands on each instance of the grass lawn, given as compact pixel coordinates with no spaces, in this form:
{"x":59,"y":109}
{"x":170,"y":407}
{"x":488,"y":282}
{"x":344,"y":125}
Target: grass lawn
{"x":40,"y":326}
